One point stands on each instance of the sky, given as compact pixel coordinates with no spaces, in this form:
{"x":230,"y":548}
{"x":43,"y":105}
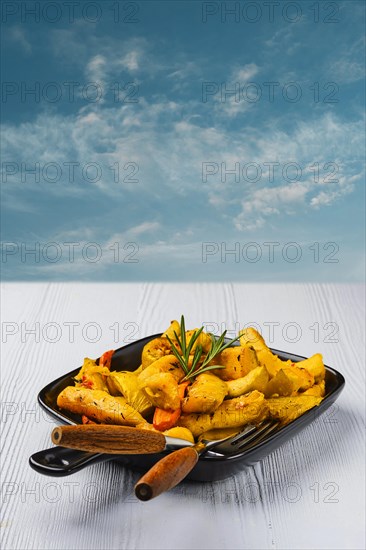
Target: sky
{"x":183,"y":141}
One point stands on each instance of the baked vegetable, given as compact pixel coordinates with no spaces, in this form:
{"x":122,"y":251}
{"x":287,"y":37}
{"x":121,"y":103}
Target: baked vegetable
{"x":162,"y":391}
{"x":251,"y":337}
{"x":164,"y":419}
{"x":106,"y":359}
{"x":154,"y":350}
{"x":238,"y":362}
{"x":127,"y":384}
{"x":168,"y":363}
{"x":99,"y":405}
{"x":318,"y":390}
{"x":314,"y":365}
{"x":301,"y":378}
{"x":257,"y":379}
{"x":190,"y":382}
{"x":172,"y":331}
{"x":205,"y":394}
{"x":92,"y":376}
{"x":203,"y":340}
{"x":180,"y":433}
{"x":280,"y":385}
{"x":287,"y":409}
{"x":250,"y":408}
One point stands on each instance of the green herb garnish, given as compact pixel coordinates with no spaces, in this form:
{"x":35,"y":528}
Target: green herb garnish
{"x":217,"y":346}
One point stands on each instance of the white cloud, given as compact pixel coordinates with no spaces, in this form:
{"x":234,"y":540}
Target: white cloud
{"x":184,"y":70}
{"x":271,"y":198}
{"x":169,"y":140}
{"x":267,"y":202}
{"x":245,"y":73}
{"x":230,"y":106}
{"x":101,"y":60}
{"x":230,"y":99}
{"x":84,"y":244}
{"x":146,"y":227}
{"x":96,"y":68}
{"x":345,"y":71}
{"x":283,"y":36}
{"x":131,"y":60}
{"x":350,"y":65}
{"x":323,"y":199}
{"x":89,"y":118}
{"x":170,"y":161}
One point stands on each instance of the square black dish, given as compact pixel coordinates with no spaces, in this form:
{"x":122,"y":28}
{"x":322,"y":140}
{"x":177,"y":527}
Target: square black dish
{"x":210,"y":467}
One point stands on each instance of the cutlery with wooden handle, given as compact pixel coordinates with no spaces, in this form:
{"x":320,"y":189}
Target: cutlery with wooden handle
{"x":173,"y":468}
{"x":72,"y":452}
{"x":108,"y":438}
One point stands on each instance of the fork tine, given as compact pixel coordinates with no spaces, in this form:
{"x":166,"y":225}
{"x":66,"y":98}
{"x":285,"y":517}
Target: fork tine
{"x":247,"y":438}
{"x":265,"y":430}
{"x":243,"y":434}
{"x":249,"y":432}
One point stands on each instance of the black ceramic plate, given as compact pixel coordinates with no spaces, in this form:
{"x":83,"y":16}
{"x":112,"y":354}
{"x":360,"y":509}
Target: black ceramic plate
{"x":210,"y":467}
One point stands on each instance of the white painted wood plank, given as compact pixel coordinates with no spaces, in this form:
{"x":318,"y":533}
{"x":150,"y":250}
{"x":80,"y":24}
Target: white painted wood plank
{"x":286,"y":501}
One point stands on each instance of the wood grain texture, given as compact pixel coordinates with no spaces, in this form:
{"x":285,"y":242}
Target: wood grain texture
{"x":111,"y":439}
{"x":166,"y":473}
{"x":307,"y":494}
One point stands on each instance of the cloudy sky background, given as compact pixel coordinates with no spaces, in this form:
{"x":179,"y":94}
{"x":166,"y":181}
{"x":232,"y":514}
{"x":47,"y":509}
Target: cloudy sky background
{"x":161,"y":131}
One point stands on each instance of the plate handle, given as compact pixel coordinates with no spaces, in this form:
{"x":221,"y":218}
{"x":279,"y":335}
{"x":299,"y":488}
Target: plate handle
{"x":60,"y":461}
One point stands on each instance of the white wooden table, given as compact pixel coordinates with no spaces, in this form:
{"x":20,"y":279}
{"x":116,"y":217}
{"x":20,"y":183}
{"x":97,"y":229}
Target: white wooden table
{"x":307,"y":494}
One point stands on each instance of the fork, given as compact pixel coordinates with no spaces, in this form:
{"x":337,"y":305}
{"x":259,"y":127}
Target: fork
{"x":173,"y":468}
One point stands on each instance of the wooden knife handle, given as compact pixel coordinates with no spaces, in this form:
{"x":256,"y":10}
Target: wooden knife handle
{"x":108,"y":438}
{"x":166,"y":473}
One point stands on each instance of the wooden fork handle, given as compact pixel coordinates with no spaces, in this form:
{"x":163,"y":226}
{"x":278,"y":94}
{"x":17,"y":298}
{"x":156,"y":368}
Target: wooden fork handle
{"x":166,"y":473}
{"x":109,"y":438}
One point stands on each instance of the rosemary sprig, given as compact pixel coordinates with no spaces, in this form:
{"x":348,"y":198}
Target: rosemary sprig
{"x":217,"y":346}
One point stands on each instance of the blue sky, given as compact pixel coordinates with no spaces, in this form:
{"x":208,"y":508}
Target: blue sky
{"x":146,"y":94}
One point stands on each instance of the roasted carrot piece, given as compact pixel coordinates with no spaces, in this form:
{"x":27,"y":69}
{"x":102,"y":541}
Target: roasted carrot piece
{"x":164,"y":420}
{"x":182,"y":389}
{"x":86,"y":420}
{"x":106,"y":359}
